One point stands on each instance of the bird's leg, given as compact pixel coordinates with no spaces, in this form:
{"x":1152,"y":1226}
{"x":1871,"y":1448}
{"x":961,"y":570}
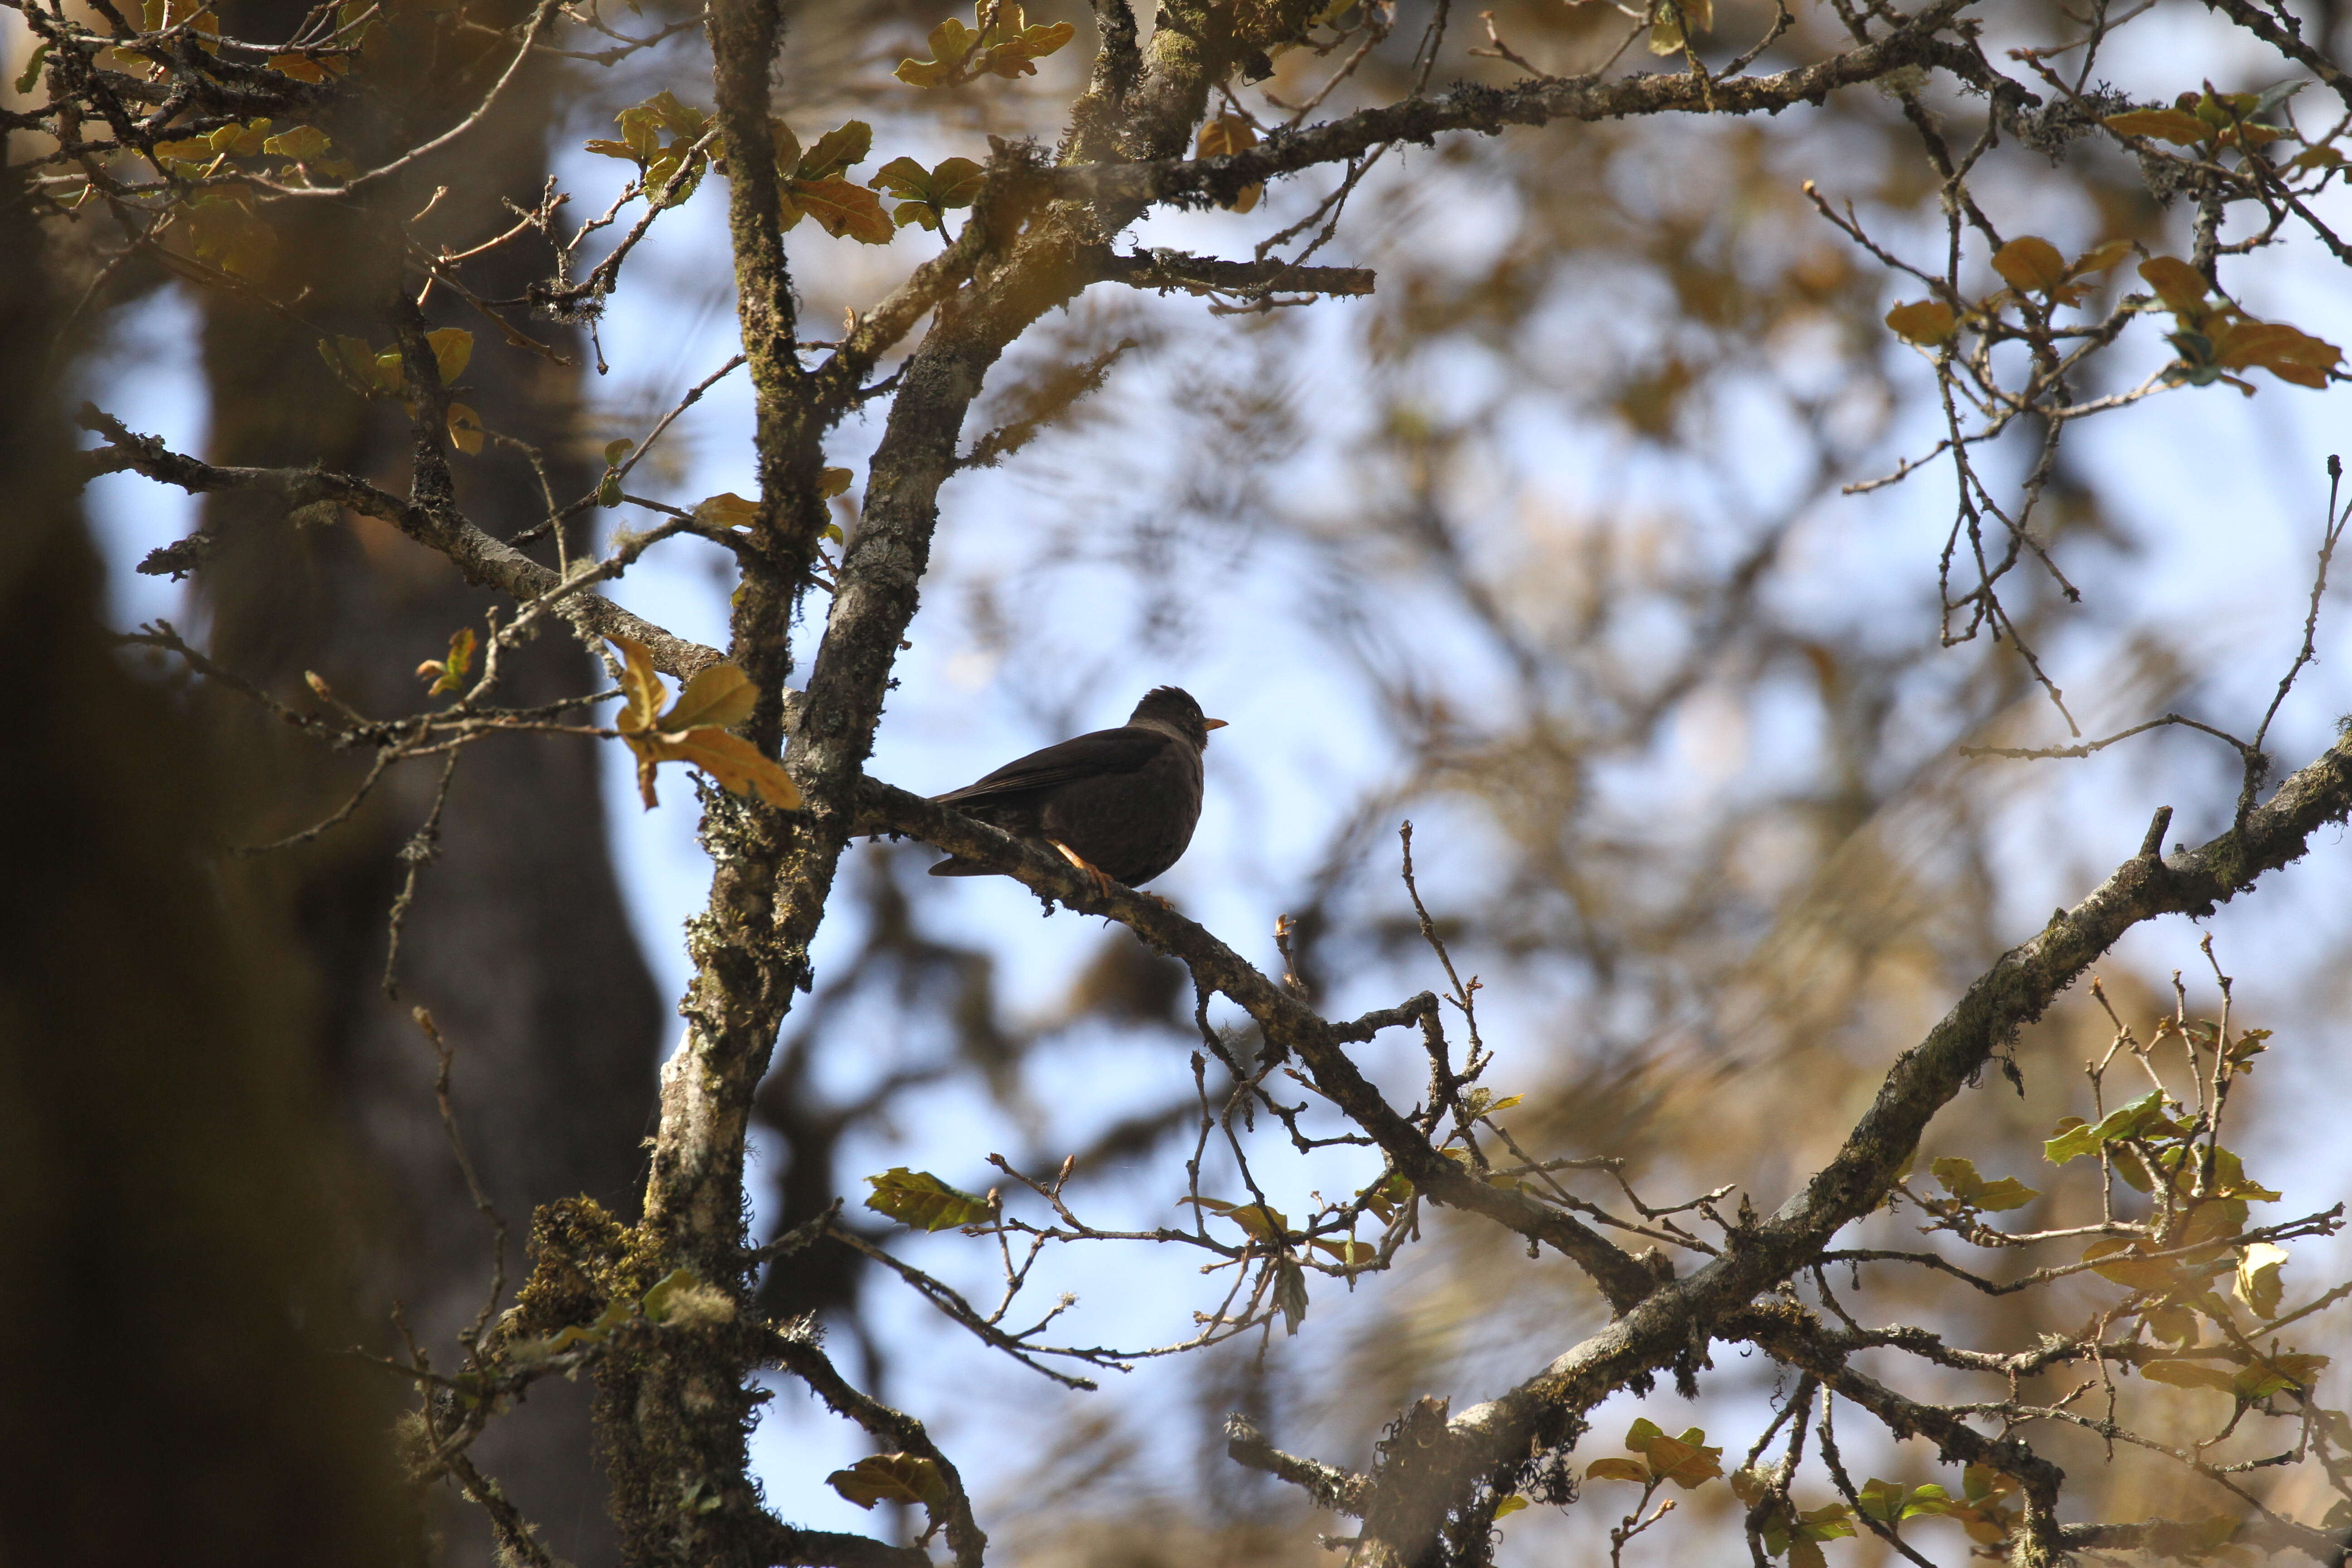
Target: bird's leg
{"x":1095,"y":874}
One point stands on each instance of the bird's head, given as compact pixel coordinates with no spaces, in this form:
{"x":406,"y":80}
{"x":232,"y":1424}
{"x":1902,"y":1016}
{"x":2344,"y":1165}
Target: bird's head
{"x":1171,"y":708}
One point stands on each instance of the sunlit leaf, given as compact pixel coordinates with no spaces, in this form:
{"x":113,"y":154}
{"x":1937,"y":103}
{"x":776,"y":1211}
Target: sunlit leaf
{"x":719,"y":694}
{"x":2258,"y":1282}
{"x":1615,"y":1469}
{"x":838,"y":150}
{"x":2164,"y":124}
{"x":449,"y":673}
{"x":919,"y":1199}
{"x":727,"y":510}
{"x":1257,"y":1221}
{"x":1506,"y":1506}
{"x":1672,"y":21}
{"x":1927,"y":322}
{"x":298,"y":143}
{"x":466,"y":433}
{"x":891,"y":1478}
{"x":1684,"y":1461}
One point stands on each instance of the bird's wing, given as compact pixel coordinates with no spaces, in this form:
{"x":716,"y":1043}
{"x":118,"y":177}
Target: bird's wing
{"x":1103,"y":752}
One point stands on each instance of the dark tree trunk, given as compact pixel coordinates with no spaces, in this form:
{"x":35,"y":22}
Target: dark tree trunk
{"x":518,"y":939}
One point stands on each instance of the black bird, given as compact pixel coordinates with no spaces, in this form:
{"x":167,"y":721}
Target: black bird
{"x":1119,"y":805}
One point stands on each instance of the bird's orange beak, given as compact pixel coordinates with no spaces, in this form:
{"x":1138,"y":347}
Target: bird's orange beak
{"x":1212,"y":723}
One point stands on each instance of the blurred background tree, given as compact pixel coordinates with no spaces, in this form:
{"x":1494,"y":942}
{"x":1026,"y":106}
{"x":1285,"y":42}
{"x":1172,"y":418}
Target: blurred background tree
{"x":1546,"y":545}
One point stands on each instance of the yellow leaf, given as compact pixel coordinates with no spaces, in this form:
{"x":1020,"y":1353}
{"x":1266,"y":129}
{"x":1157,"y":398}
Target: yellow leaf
{"x":2259,"y":1285}
{"x":832,"y":481}
{"x":2190,"y":1374}
{"x":301,"y":68}
{"x":452,"y":347}
{"x":1223,"y":137}
{"x":1506,"y":1506}
{"x":450,"y":673}
{"x":297,"y":142}
{"x":1672,"y":21}
{"x":464,"y":429}
{"x":1618,"y":1471}
{"x":919,"y":1199}
{"x":890,"y":1477}
{"x":1928,"y":322}
{"x":719,"y":694}
{"x":2181,"y":286}
{"x":2029,"y":263}
{"x":734,"y":763}
{"x":727,"y":510}
{"x":641,"y":689}
{"x":2165,"y":124}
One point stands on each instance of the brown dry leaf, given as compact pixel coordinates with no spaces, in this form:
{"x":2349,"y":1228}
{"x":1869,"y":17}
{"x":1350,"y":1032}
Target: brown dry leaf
{"x":2287,"y":352}
{"x":1929,"y":323}
{"x":1221,"y":138}
{"x":2029,"y":263}
{"x":2181,"y":286}
{"x":726,"y":509}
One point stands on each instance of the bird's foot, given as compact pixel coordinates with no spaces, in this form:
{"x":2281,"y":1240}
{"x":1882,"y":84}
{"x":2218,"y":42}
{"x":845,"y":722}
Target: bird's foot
{"x":1095,"y":874}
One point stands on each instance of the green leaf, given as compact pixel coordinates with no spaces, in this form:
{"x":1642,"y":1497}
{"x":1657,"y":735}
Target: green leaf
{"x":1928,"y":1501}
{"x":950,"y":42}
{"x":919,"y":1199}
{"x":1506,"y":1506}
{"x":836,"y":149}
{"x":1882,"y":1501}
{"x":2143,"y":1115}
{"x":298,"y":143}
{"x":1642,"y":1434}
{"x":1290,"y":1293}
{"x":925,"y":195}
{"x":30,"y":77}
{"x":657,"y":1301}
{"x":449,"y":673}
{"x":2174,"y":125}
{"x":614,"y":451}
{"x":453,"y":348}
{"x":1257,"y":1221}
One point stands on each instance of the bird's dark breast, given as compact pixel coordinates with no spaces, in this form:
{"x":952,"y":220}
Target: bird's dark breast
{"x":1134,"y":825}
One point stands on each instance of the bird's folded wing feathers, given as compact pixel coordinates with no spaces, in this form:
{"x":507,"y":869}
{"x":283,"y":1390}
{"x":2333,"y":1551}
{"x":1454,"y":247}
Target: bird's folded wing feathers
{"x":1104,"y":752}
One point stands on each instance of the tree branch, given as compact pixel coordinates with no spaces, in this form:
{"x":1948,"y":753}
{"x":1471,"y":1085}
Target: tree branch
{"x":1126,"y":187}
{"x":1290,"y":1027}
{"x":485,"y":561}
